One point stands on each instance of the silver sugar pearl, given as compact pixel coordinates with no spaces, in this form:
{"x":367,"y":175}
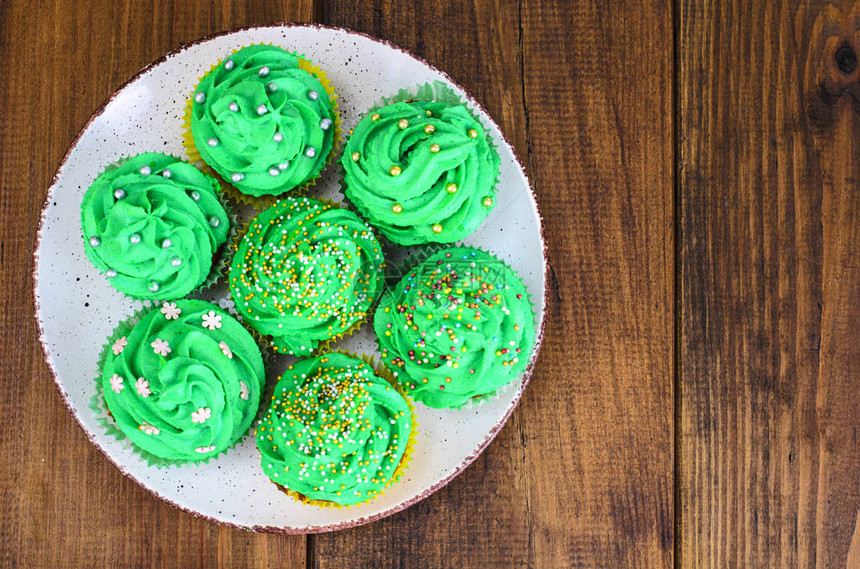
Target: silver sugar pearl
{"x":110,"y":273}
{"x":325,"y":124}
{"x":195,"y":195}
{"x":153,"y":286}
{"x":313,"y":95}
{"x":310,"y":152}
{"x":214,"y":221}
{"x":272,"y":86}
{"x":234,"y":106}
{"x":283,"y":165}
{"x":166,"y":243}
{"x":200,"y":97}
{"x":212,"y":141}
{"x":145,"y":170}
{"x":262,"y":110}
{"x":229,"y":64}
{"x":176,"y":261}
{"x":135,"y":238}
{"x":118,"y":194}
{"x":273,"y":171}
{"x":264,"y":71}
{"x":278,"y":137}
{"x":95,"y":241}
{"x":237,"y":176}
{"x":166,"y":173}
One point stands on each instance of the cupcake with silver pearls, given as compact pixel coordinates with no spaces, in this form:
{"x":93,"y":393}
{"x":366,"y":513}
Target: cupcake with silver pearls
{"x":264,"y":119}
{"x":152,"y":225}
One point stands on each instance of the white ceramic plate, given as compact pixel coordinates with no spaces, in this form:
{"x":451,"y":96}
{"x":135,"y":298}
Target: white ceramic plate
{"x":76,"y":309}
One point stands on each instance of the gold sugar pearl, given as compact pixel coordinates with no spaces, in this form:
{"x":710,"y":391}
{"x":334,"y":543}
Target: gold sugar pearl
{"x":488,"y":201}
{"x":434,"y":148}
{"x":403,"y":124}
{"x":397,"y":208}
{"x":395,"y":170}
{"x":429,"y":112}
{"x":429,"y":129}
{"x":473,"y":133}
{"x":374,"y":117}
{"x":437,"y":228}
{"x":356,"y":156}
{"x":452,"y":187}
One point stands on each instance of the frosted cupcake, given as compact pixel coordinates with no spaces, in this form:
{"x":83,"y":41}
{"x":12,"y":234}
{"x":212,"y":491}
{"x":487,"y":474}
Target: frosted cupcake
{"x":335,"y":432}
{"x":421,"y":171}
{"x":304,"y":273}
{"x":457,"y":327}
{"x":263,"y":120}
{"x":184,"y":382}
{"x":152,"y":225}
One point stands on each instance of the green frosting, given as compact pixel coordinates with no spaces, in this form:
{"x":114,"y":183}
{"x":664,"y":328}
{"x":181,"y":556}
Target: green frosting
{"x":421,"y":172}
{"x":261,"y":122}
{"x":185,"y":382}
{"x":305,"y":272}
{"x":334,"y":431}
{"x":458,"y":326}
{"x":152,"y":225}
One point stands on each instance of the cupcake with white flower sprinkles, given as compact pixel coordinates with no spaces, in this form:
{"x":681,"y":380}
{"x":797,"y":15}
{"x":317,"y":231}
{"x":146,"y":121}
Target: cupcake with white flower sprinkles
{"x":264,"y":119}
{"x":305,"y":272}
{"x":183,"y":382}
{"x":335,"y":433}
{"x":459,"y":326}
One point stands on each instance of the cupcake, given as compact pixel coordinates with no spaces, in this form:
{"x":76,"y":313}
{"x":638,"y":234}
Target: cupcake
{"x":457,"y":327}
{"x":263,"y":121}
{"x":152,"y":225}
{"x":305,"y":272}
{"x":421,"y":171}
{"x":335,"y":431}
{"x":184,"y":382}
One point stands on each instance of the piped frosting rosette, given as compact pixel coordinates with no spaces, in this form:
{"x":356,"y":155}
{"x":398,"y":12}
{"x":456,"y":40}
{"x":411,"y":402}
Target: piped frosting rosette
{"x":305,"y":272}
{"x":457,"y":327}
{"x":421,"y":171}
{"x":152,"y":225}
{"x":335,"y":431}
{"x":264,"y":119}
{"x":184,"y":383}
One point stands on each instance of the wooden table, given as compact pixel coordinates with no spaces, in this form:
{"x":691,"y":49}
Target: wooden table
{"x":697,"y":399}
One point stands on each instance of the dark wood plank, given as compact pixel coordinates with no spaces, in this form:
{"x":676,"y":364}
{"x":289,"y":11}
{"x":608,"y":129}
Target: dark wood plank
{"x":582,"y":475}
{"x":770,"y":288}
{"x":64,"y":504}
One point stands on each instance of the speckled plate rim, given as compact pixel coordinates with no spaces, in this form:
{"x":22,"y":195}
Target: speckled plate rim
{"x":278,"y":529}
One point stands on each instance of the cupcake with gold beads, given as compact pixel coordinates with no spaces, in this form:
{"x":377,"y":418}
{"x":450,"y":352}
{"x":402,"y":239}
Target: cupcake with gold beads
{"x":421,"y":171}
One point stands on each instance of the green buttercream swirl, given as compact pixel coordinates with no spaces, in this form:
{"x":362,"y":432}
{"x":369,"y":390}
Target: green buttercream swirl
{"x":152,"y":225}
{"x":178,"y":389}
{"x":446,"y":183}
{"x":334,"y":431}
{"x":305,"y":272}
{"x":264,"y":124}
{"x":460,"y":325}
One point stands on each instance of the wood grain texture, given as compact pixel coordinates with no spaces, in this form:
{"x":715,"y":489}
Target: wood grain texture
{"x":582,"y":474}
{"x":770,"y":284}
{"x":64,"y":504}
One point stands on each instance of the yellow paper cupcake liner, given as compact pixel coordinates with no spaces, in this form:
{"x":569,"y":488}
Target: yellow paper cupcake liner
{"x":262,"y":202}
{"x":381,"y":371}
